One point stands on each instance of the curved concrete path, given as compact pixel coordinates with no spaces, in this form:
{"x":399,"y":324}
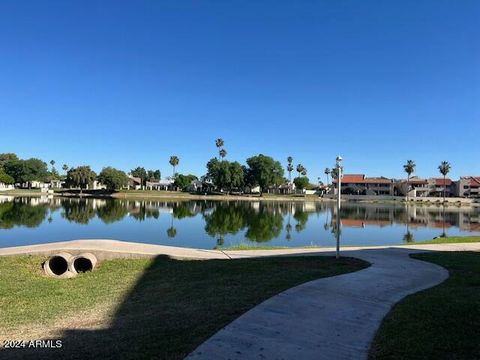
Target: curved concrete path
{"x":330,"y":318}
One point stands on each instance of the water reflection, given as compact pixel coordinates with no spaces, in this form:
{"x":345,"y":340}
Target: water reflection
{"x":21,"y":213}
{"x":192,"y":223}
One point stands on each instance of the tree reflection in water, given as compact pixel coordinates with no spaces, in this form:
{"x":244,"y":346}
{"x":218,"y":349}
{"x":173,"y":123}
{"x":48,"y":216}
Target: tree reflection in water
{"x":21,"y":212}
{"x":261,"y":221}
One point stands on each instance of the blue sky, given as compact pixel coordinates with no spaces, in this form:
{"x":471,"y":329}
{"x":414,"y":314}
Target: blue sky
{"x":130,"y":83}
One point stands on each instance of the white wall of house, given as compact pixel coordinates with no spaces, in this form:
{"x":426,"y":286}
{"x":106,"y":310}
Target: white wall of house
{"x":6,"y":187}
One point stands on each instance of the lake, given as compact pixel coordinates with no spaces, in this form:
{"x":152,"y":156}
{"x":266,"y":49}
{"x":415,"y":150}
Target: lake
{"x":209,"y":224}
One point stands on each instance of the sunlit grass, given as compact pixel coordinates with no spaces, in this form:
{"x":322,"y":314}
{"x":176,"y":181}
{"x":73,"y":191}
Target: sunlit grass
{"x":438,"y":323}
{"x":157,"y":308}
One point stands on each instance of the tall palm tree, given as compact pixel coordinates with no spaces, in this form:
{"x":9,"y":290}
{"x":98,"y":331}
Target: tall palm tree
{"x":302,"y":170}
{"x":444,"y":169}
{"x":327,"y":172}
{"x":174,"y":160}
{"x":409,"y":168}
{"x":52,"y":162}
{"x":219,"y":143}
{"x":289,"y":168}
{"x":65,"y":167}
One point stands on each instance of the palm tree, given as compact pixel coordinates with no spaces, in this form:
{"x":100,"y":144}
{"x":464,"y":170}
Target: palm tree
{"x":65,"y":167}
{"x":171,"y":232}
{"x":409,"y":168}
{"x":327,"y":172}
{"x":444,"y":169}
{"x":219,"y":143}
{"x":174,"y":160}
{"x":52,"y":162}
{"x":289,"y":168}
{"x":301,"y":170}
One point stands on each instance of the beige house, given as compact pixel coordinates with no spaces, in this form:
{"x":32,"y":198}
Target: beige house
{"x":468,"y":186}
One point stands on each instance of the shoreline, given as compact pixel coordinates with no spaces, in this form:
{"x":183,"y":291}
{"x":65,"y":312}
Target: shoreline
{"x":181,"y":196}
{"x":112,"y":248}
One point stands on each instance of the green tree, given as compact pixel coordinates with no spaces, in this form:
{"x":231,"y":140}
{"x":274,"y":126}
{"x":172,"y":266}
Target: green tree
{"x":327,"y":172}
{"x":225,"y":175}
{"x":301,"y":182}
{"x":7,"y":157}
{"x":81,"y":177}
{"x":444,"y":169}
{"x":301,"y":170}
{"x":174,"y":161}
{"x":26,"y":171}
{"x":53,"y":175}
{"x":5,"y":178}
{"x":264,"y":171}
{"x":237,"y":175}
{"x":183,"y":181}
{"x":289,"y":168}
{"x":65,"y":168}
{"x":219,"y":143}
{"x":409,"y":168}
{"x":112,"y":178}
{"x":153,"y":175}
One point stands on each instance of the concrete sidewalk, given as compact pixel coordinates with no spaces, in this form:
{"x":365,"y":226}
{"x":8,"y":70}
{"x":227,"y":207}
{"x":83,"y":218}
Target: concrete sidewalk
{"x":116,"y":248}
{"x":330,"y":318}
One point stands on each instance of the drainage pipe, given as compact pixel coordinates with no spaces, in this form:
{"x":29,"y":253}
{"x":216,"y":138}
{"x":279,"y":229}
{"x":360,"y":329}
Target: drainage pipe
{"x":82,"y":263}
{"x":58,"y":265}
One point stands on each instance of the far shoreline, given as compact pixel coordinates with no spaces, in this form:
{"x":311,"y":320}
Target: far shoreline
{"x":182,"y":196}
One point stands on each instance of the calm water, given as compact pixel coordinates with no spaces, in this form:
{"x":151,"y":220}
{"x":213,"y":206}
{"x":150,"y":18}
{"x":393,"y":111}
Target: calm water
{"x":207,"y":224}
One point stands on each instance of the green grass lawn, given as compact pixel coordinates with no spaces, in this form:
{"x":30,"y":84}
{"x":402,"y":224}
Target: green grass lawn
{"x":451,"y":240}
{"x":143,"y":308}
{"x":21,"y":192}
{"x":439,"y":323}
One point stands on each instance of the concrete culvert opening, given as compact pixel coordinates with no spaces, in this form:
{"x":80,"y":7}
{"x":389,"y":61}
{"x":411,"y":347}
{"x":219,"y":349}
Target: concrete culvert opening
{"x":58,"y":265}
{"x":82,"y":264}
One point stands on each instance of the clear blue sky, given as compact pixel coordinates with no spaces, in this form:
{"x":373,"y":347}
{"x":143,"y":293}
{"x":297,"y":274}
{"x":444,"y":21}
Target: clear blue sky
{"x":130,"y":83}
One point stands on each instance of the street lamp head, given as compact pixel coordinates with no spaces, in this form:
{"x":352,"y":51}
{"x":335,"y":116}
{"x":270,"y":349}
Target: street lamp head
{"x":339,"y":160}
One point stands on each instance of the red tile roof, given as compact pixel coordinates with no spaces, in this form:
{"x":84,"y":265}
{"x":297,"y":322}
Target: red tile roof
{"x":353,"y":178}
{"x":475,"y":181}
{"x":441,"y":182}
{"x":361,"y":179}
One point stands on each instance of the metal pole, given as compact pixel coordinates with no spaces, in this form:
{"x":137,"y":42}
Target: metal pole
{"x":339,"y":191}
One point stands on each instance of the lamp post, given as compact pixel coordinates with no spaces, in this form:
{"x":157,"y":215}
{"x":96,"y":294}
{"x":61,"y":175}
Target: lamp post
{"x":339,"y":191}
